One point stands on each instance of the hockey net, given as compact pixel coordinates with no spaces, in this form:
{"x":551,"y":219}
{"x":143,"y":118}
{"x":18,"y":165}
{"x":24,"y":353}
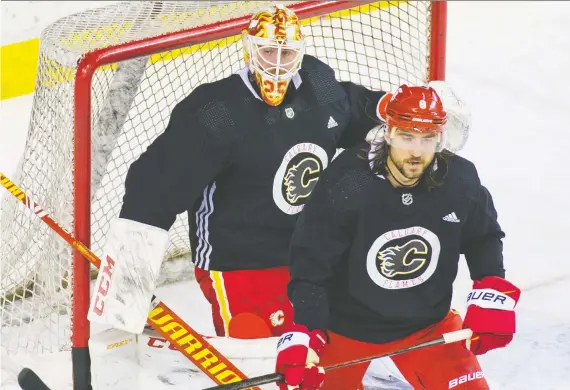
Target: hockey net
{"x":107,"y":81}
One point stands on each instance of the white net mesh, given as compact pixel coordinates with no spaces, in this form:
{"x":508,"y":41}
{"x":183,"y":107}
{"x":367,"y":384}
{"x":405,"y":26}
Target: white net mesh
{"x":379,"y":45}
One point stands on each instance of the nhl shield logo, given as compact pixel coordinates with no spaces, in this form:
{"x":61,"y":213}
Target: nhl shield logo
{"x":289,"y":112}
{"x":407,"y":199}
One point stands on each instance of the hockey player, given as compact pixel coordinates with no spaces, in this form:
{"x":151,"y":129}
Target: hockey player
{"x":241,"y":157}
{"x":375,"y":253}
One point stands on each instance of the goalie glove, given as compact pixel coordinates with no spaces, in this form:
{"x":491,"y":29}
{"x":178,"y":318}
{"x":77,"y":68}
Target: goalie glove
{"x":490,"y":314}
{"x":298,"y":353}
{"x":127,"y":276}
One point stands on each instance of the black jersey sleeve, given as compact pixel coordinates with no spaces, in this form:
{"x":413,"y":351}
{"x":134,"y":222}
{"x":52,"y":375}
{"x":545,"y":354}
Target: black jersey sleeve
{"x":318,"y":244}
{"x":481,"y":238}
{"x":172,"y":173}
{"x":363,"y":117}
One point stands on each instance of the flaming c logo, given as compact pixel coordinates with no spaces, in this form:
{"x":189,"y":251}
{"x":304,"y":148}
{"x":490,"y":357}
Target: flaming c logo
{"x":301,"y":179}
{"x":403,"y":258}
{"x":297,"y":176}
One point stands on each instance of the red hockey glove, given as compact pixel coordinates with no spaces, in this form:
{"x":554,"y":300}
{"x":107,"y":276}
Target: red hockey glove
{"x":490,"y":314}
{"x":298,"y":353}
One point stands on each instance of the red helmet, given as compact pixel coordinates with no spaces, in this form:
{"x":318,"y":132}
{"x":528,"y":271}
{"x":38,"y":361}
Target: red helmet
{"x":416,"y":108}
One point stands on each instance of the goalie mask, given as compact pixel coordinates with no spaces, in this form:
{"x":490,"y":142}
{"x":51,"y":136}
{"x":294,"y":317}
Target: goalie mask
{"x":415,"y":119}
{"x":273,"y":49}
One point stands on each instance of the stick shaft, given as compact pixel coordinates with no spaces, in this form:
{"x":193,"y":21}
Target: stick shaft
{"x":189,"y":342}
{"x":446,"y":338}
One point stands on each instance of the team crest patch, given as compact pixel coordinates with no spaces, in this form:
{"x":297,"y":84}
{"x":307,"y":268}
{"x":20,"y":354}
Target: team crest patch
{"x":403,"y":258}
{"x":277,"y":318}
{"x":297,"y":176}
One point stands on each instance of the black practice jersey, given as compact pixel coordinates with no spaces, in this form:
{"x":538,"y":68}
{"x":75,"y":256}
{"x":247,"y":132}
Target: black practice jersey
{"x":376,"y":263}
{"x":242,"y":169}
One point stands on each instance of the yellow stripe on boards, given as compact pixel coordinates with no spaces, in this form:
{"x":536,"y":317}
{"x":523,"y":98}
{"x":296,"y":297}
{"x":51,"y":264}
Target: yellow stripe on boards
{"x":18,"y":65}
{"x":19,"y":61}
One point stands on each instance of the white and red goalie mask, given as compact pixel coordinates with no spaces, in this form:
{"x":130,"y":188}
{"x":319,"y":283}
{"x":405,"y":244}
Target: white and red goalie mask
{"x":273,"y":49}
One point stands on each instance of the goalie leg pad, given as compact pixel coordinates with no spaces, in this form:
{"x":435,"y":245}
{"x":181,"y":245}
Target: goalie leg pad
{"x":114,"y":361}
{"x":127,"y":277}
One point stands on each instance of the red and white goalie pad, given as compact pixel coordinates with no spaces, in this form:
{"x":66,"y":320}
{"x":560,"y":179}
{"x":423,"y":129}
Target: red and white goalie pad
{"x":124,"y":361}
{"x":127,"y":276}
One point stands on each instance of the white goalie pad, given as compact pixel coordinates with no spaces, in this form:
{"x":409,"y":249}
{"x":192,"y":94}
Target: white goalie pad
{"x":124,"y":361}
{"x":127,"y":276}
{"x":114,"y":360}
{"x":383,"y":374}
{"x":253,"y":357}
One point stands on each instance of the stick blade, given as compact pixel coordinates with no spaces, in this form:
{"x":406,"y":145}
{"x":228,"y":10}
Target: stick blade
{"x":29,"y":380}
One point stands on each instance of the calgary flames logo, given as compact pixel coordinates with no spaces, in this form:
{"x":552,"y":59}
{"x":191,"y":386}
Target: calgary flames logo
{"x":297,"y":176}
{"x":277,"y":318}
{"x":301,"y":179}
{"x":403,"y":260}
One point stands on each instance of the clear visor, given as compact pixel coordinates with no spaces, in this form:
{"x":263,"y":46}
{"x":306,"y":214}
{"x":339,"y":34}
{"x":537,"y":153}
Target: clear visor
{"x":276,"y":61}
{"x":414,"y":141}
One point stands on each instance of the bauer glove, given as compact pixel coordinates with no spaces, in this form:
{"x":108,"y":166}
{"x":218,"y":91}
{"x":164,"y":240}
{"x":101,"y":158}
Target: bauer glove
{"x":298,"y":353}
{"x":490,"y":314}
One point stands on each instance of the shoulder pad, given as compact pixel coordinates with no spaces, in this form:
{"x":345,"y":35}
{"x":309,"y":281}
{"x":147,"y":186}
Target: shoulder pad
{"x":464,"y":173}
{"x":217,"y":106}
{"x":229,"y":89}
{"x":350,"y":166}
{"x":321,"y":78}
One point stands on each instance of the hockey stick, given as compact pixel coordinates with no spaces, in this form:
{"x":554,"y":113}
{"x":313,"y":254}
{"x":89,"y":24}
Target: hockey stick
{"x":29,"y":380}
{"x":185,"y":339}
{"x":446,"y":338}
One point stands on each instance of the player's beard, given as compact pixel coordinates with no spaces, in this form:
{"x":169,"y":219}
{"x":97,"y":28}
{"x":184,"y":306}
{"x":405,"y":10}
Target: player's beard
{"x":411,"y":168}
